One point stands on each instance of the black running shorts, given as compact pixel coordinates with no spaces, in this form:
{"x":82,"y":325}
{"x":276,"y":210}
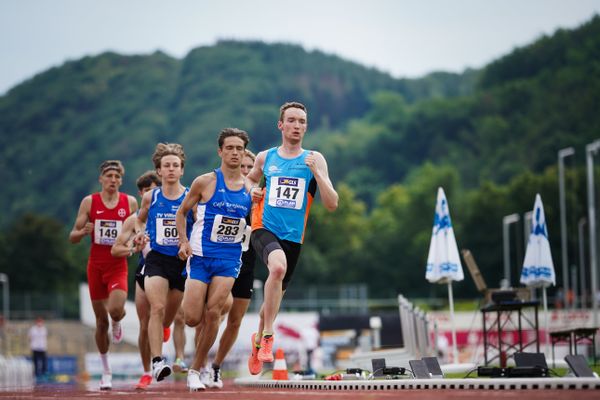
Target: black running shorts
{"x":242,"y":287}
{"x":168,"y":267}
{"x":140,"y":274}
{"x":264,"y":242}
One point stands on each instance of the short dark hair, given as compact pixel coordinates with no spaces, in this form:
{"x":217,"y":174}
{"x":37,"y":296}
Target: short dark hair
{"x":147,"y":179}
{"x":115,"y":165}
{"x":291,"y":104}
{"x":228,"y":132}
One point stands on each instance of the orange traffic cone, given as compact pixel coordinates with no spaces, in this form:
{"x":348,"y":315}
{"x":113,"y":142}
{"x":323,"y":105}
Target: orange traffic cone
{"x":280,"y":372}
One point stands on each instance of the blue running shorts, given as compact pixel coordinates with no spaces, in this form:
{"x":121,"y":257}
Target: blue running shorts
{"x":204,"y":268}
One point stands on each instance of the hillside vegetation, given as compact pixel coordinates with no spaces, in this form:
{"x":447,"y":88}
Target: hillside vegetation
{"x":490,"y":137}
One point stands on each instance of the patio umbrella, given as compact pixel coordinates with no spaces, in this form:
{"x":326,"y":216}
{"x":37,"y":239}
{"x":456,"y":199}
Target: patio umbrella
{"x":538,"y":268}
{"x":443,"y":261}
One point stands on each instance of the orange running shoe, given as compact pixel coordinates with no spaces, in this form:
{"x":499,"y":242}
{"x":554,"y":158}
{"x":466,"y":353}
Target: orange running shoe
{"x":265,"y":354}
{"x":166,"y":334}
{"x":145,"y":380}
{"x":254,"y":364}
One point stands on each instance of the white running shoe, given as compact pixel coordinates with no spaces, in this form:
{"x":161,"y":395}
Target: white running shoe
{"x":205,"y":376}
{"x":215,"y":378}
{"x":117,"y":332}
{"x":106,"y":381}
{"x":160,"y":370}
{"x":193,"y":381}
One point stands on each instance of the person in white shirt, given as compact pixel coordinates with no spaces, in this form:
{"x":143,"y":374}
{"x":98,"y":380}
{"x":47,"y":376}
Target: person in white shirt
{"x":38,"y":340}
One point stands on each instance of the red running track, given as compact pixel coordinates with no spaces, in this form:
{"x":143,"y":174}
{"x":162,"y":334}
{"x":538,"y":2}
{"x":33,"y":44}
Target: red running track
{"x":177,"y":390}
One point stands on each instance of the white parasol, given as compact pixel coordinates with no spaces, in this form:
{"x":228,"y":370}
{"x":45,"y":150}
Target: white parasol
{"x":538,"y":268}
{"x":443,"y":261}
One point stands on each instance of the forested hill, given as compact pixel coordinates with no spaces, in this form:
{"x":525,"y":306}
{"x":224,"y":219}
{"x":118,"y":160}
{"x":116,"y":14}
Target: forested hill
{"x":526,"y":106}
{"x":490,"y":137}
{"x":572,"y":49}
{"x":492,"y":124}
{"x":58,"y":126}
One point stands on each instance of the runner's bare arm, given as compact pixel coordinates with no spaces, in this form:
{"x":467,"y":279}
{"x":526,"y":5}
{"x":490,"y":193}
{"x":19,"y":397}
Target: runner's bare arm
{"x":123,"y":246}
{"x":82,"y":225}
{"x":133,"y":204}
{"x":142,"y":217}
{"x":317,"y":164}
{"x":254,"y":176}
{"x":189,"y":202}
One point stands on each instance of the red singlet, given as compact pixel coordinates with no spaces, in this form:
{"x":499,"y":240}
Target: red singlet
{"x":105,"y":272}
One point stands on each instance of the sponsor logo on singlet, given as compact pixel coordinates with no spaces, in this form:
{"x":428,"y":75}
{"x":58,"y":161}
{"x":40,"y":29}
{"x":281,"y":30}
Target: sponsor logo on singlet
{"x":231,"y":221}
{"x":288,"y":181}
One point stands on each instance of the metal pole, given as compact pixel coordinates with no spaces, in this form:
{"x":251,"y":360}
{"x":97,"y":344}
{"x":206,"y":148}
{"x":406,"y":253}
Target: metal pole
{"x":527,"y":217}
{"x":375,"y":325}
{"x":546,"y":326}
{"x":590,"y":150}
{"x":569,"y":151}
{"x":506,"y":221}
{"x":5,"y":296}
{"x":452,"y":325}
{"x":581,"y":240}
{"x":575,"y":287}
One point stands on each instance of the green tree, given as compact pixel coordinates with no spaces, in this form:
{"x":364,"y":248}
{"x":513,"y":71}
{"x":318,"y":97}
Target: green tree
{"x":36,"y":256}
{"x":334,"y":250}
{"x":400,"y":230}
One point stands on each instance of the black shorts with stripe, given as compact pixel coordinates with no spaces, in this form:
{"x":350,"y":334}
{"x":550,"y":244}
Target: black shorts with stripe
{"x":139,"y":272}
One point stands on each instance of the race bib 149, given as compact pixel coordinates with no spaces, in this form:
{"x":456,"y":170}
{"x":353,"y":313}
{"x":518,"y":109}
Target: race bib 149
{"x":106,"y":231}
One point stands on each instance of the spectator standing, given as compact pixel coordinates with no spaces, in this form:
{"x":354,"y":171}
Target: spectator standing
{"x":38,"y":341}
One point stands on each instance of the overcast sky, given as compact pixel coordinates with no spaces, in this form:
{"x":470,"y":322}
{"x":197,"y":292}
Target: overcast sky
{"x":404,"y":38}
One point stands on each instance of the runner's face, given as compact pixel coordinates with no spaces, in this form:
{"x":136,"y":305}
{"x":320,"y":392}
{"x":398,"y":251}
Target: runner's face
{"x":294,"y":124}
{"x":232,"y":151}
{"x":111,"y":181}
{"x":247,"y":164}
{"x":170,"y":169}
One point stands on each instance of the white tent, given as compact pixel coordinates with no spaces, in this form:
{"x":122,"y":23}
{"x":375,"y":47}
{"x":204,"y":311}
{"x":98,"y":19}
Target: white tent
{"x":443,"y":261}
{"x":538,"y":268}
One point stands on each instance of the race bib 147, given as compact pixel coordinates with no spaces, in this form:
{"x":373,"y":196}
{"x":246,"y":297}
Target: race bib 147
{"x":287,"y":192}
